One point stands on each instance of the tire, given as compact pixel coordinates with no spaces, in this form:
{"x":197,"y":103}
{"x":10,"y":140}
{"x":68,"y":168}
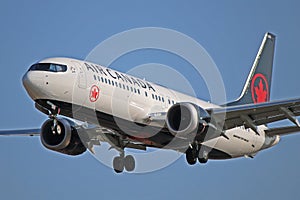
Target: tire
{"x":190,"y":156}
{"x":129,"y":163}
{"x":118,"y":164}
{"x":203,"y":156}
{"x":202,"y":160}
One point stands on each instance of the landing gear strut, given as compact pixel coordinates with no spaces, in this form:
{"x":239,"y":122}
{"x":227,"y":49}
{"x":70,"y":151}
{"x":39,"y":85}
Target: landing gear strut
{"x":56,"y":128}
{"x":123,"y":162}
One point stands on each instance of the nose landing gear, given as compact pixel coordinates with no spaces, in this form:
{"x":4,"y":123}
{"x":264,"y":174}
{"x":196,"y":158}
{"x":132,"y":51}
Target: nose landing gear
{"x":56,"y":128}
{"x":52,"y":111}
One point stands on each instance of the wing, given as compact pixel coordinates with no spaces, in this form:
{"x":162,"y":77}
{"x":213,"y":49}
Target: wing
{"x":23,"y":132}
{"x":253,"y":115}
{"x":96,"y":134}
{"x":282,"y":130}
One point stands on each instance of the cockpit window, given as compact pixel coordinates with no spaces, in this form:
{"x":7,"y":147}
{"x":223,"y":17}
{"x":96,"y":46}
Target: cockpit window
{"x":48,"y":67}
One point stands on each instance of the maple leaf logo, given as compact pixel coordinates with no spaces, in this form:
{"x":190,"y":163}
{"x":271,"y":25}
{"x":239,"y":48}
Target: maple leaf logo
{"x":94,"y":93}
{"x":259,"y":89}
{"x":261,"y":94}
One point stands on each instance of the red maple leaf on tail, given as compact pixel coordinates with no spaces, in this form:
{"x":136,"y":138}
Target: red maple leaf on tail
{"x":261,"y":94}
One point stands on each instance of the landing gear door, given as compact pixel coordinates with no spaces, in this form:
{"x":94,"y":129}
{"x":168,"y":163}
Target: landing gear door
{"x":81,"y":76}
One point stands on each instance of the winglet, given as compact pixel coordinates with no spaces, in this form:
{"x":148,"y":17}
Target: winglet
{"x":258,"y":84}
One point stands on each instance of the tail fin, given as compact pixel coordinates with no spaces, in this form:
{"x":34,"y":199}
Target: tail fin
{"x":258,"y":84}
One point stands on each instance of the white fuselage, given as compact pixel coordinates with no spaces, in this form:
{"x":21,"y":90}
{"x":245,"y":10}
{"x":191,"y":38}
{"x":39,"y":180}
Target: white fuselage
{"x":126,"y":97}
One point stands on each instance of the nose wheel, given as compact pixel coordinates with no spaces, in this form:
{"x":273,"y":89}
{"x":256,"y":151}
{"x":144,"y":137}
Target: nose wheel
{"x":56,"y":127}
{"x":123,"y":162}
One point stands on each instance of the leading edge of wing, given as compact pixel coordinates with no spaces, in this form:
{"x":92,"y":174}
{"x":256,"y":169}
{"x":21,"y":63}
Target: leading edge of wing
{"x":21,"y":132}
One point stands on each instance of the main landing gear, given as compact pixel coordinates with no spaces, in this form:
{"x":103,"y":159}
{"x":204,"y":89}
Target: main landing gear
{"x":123,"y":162}
{"x":195,"y":152}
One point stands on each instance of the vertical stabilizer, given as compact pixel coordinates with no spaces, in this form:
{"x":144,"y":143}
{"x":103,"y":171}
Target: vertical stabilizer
{"x":258,"y":84}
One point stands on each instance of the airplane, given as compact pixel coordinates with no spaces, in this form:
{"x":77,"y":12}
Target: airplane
{"x":128,"y":112}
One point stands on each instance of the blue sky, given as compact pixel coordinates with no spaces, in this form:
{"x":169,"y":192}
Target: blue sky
{"x":231,"y":32}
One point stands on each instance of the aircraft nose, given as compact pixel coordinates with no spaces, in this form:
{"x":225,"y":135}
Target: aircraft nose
{"x":33,"y":83}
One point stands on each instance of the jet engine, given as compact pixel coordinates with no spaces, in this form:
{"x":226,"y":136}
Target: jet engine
{"x":60,"y":136}
{"x":184,"y":119}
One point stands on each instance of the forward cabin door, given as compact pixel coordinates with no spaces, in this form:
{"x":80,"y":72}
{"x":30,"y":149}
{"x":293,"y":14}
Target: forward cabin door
{"x":81,"y":75}
{"x":80,"y":93}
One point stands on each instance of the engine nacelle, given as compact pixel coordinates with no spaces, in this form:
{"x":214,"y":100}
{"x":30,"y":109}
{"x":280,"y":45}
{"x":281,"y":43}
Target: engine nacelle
{"x":184,"y":119}
{"x":63,"y":138}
